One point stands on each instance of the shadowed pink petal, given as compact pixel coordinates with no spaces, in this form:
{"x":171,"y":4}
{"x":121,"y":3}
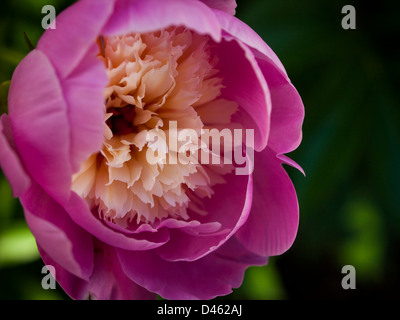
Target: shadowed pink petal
{"x":9,"y":160}
{"x":81,"y":214}
{"x":63,"y":240}
{"x":241,"y":31}
{"x":108,"y":280}
{"x":209,"y":277}
{"x":231,"y":214}
{"x":272,"y":224}
{"x":77,"y":29}
{"x":234,"y":250}
{"x":74,"y":286}
{"x":84,"y":95}
{"x":228,"y":6}
{"x":245,"y":84}
{"x":38,"y":117}
{"x":151,"y":15}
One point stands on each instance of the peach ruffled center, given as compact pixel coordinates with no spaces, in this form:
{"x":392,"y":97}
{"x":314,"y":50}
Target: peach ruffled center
{"x":160,"y":83}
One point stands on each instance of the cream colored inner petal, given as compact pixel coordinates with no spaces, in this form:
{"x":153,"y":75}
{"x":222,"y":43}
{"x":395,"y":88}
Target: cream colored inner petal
{"x":155,"y":78}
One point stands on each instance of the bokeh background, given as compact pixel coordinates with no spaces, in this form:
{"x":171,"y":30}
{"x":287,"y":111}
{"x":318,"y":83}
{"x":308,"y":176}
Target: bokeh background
{"x":350,"y":198}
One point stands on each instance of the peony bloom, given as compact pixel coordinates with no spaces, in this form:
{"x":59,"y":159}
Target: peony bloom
{"x":85,"y":108}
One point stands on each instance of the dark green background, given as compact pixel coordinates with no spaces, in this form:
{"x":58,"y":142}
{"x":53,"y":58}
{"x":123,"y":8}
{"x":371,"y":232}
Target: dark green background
{"x":349,"y":201}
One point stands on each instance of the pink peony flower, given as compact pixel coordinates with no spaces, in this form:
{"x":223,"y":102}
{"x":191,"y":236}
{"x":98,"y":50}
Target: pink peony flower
{"x":76,"y":141}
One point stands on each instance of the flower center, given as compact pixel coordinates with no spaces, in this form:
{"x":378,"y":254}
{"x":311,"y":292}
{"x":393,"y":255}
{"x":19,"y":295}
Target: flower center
{"x":160,"y":83}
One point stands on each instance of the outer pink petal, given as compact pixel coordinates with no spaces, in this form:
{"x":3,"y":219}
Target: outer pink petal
{"x":72,"y":49}
{"x":209,"y":277}
{"x":230,"y":206}
{"x":80,"y":213}
{"x":272,"y":224}
{"x":38,"y":117}
{"x":84,"y":95}
{"x":287,"y":110}
{"x":77,"y":28}
{"x":9,"y":160}
{"x":228,"y":6}
{"x":151,"y":15}
{"x":63,"y":240}
{"x":245,"y":84}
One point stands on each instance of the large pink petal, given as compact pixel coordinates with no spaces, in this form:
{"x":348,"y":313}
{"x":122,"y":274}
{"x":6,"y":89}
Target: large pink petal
{"x":228,"y":6}
{"x":9,"y":160}
{"x":230,"y":206}
{"x":214,"y":275}
{"x":77,"y":28}
{"x":80,"y":213}
{"x":273,"y":221}
{"x":244,"y":83}
{"x":84,"y":94}
{"x":38,"y":117}
{"x":287,"y":110}
{"x":63,"y":240}
{"x":151,"y":15}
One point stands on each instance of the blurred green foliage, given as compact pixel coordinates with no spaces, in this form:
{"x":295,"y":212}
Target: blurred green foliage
{"x":349,"y":201}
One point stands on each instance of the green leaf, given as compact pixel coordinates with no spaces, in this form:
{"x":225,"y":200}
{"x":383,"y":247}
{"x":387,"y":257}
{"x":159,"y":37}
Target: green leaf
{"x":4,"y":87}
{"x":28,"y":42}
{"x":17,"y":246}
